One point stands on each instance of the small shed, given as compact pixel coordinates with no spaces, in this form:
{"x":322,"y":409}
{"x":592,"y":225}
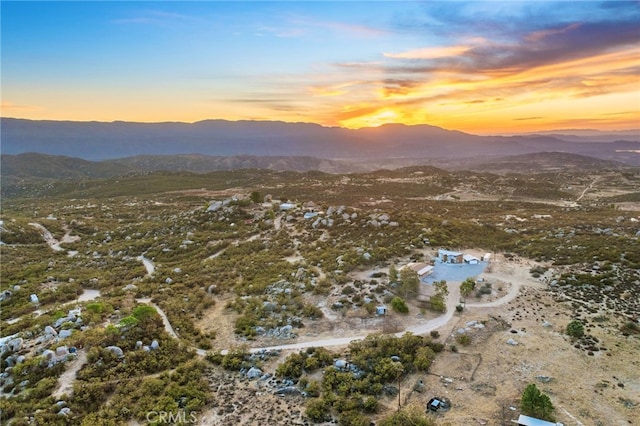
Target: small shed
{"x":532,"y":421}
{"x":470,"y":259}
{"x":422,"y":269}
{"x":287,"y":206}
{"x":381,"y":310}
{"x":437,"y":404}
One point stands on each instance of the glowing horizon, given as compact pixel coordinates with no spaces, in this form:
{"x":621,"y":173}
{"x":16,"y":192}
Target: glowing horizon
{"x":478,"y":67}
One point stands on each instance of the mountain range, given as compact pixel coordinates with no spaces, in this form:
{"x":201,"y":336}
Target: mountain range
{"x":98,"y":141}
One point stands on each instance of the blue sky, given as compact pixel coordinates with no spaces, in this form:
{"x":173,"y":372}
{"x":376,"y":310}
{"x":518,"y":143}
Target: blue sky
{"x":483,"y":67}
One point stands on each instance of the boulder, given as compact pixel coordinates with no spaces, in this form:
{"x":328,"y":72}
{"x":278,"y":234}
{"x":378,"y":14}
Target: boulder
{"x":64,"y":334}
{"x":340,"y":363}
{"x":116,"y":350}
{"x":5,"y":295}
{"x":544,"y":379}
{"x":254,"y":373}
{"x":64,"y":411}
{"x":287,"y":390}
{"x":15,"y":345}
{"x":48,"y":354}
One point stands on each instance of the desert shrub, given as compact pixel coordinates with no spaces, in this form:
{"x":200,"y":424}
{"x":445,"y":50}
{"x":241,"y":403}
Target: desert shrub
{"x":424,"y":358}
{"x":317,"y":410}
{"x":630,"y":327}
{"x":399,"y":305}
{"x":347,"y":290}
{"x":292,"y":367}
{"x":410,"y":415}
{"x":536,"y":271}
{"x":233,"y":360}
{"x":575,"y":329}
{"x":463,"y":339}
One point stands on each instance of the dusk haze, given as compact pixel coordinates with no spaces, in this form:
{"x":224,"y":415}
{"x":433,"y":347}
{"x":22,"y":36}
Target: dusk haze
{"x":483,"y":67}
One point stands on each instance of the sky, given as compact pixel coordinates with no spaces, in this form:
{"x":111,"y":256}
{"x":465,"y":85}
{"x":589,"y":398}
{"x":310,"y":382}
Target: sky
{"x":483,"y":67}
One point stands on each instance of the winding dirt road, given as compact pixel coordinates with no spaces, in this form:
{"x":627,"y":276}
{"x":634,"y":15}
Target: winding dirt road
{"x":453,"y":300}
{"x":517,"y":280}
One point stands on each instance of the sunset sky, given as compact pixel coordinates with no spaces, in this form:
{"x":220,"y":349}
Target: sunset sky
{"x":481,"y":67}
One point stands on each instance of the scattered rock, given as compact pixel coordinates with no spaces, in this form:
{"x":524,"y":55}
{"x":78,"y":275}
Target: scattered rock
{"x":254,"y":373}
{"x":116,"y":350}
{"x":64,"y":334}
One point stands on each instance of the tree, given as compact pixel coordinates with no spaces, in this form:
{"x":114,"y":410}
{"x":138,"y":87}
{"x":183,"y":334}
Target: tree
{"x":437,"y":303}
{"x":317,"y":410}
{"x":466,"y":288}
{"x":575,"y":329}
{"x":393,"y":274}
{"x":438,"y":300}
{"x":535,"y":403}
{"x":409,"y":282}
{"x":256,"y":197}
{"x":441,"y":288}
{"x":398,"y":304}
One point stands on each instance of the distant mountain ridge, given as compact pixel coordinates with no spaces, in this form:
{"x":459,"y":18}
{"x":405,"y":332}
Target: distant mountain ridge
{"x":36,"y":166}
{"x":101,"y":141}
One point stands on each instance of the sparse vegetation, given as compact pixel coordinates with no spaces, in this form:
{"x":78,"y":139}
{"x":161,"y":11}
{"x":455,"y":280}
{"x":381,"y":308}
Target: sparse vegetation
{"x":275,"y":275}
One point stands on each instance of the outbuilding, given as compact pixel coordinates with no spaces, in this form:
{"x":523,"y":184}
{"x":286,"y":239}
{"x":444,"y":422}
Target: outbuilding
{"x":470,"y":259}
{"x":437,"y":404}
{"x":447,"y":256}
{"x":532,"y":421}
{"x":421,"y":269}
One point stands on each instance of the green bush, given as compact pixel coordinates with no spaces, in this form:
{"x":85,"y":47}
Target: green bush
{"x":463,"y":339}
{"x":575,"y":329}
{"x":399,"y":305}
{"x":437,"y":303}
{"x":317,"y":410}
{"x":410,"y":415}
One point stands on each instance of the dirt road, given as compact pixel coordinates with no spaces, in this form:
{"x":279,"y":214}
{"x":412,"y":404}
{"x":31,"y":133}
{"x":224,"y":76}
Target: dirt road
{"x":66,"y":379}
{"x":453,"y":300}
